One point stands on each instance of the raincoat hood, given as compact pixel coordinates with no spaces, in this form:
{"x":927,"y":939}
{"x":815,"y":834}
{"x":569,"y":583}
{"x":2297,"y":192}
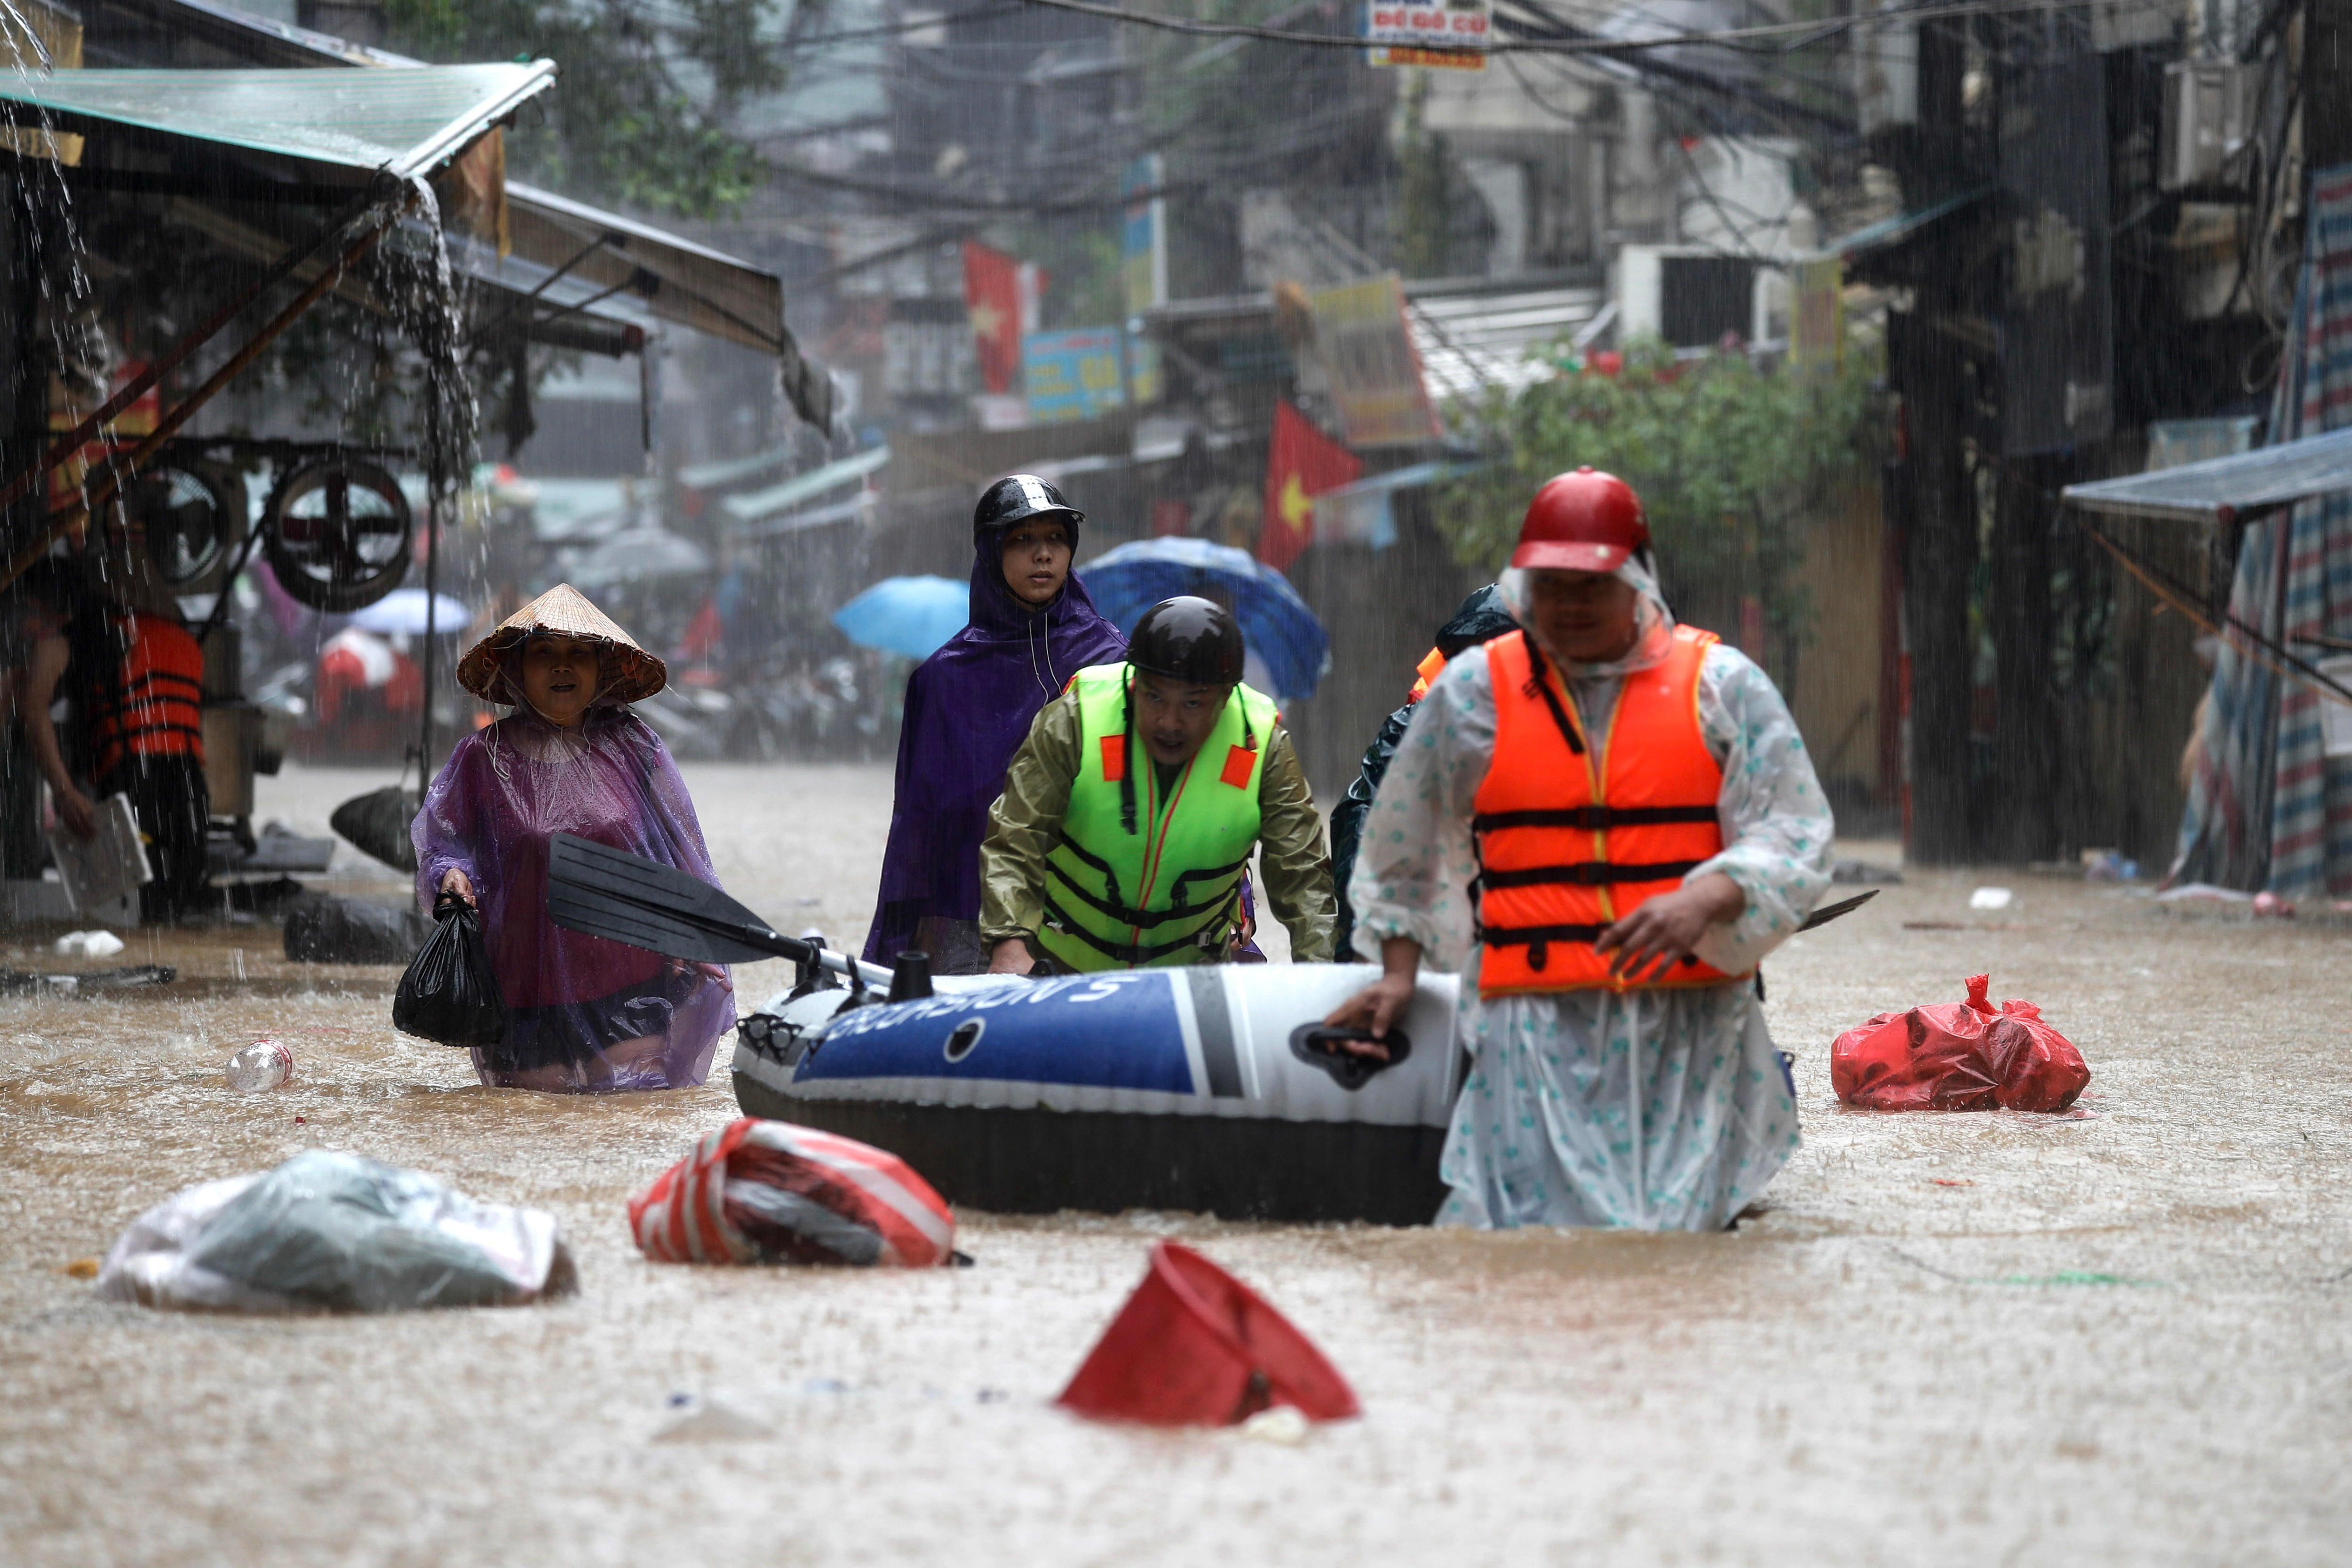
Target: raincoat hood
{"x":1000,"y":616}
{"x":1651,"y":642}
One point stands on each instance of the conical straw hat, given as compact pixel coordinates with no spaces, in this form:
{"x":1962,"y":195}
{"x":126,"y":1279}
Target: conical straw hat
{"x":633,"y":673}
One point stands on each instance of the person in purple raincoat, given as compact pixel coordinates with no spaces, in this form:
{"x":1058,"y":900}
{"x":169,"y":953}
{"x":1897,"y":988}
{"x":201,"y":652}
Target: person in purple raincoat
{"x":584,"y":1015}
{"x":968,"y":707}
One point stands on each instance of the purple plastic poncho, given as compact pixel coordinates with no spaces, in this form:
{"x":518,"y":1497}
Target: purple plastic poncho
{"x":583,"y":1013}
{"x":968,"y":708}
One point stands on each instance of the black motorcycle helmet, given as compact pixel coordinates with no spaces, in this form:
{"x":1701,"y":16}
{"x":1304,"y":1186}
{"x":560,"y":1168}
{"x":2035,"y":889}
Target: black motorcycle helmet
{"x":1189,"y":639}
{"x":1017,"y":497}
{"x":1183,"y":638}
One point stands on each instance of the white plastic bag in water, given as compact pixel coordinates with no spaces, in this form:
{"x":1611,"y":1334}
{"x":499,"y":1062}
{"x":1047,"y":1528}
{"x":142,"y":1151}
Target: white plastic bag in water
{"x":333,"y":1231}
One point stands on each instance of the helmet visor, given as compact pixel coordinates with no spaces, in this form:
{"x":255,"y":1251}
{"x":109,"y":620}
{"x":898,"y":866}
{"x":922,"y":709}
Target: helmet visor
{"x":1570,"y":555}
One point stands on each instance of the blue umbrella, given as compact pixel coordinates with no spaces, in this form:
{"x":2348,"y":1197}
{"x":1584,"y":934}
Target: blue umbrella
{"x":909,"y":616}
{"x":1279,"y":628}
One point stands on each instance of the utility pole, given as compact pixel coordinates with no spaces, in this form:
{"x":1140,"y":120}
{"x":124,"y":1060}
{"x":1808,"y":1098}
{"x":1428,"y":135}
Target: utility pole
{"x":1929,"y":365}
{"x":2326,"y":70}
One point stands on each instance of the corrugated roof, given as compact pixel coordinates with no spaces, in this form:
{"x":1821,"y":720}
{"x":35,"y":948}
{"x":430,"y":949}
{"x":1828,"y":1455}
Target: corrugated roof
{"x":1470,"y":343}
{"x":2221,"y":489}
{"x":407,"y":123}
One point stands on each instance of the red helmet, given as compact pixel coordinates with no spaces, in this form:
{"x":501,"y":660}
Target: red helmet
{"x":1583,"y":521}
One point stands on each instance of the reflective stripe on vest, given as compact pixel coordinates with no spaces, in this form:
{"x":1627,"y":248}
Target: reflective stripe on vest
{"x":1167,"y":893}
{"x":1572,"y":837}
{"x":159,"y":708}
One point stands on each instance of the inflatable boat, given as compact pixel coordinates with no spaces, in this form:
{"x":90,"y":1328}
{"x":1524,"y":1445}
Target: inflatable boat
{"x":1213,"y":1089}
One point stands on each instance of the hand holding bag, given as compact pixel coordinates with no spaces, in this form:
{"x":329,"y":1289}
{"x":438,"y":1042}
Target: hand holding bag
{"x":450,"y":994}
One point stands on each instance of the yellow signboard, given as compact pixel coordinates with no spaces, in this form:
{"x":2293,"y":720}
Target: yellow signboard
{"x":1817,"y":333}
{"x":1361,"y":338}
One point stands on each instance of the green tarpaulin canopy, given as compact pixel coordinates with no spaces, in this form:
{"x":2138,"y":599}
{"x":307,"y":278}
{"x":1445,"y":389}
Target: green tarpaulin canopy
{"x":405,"y":122}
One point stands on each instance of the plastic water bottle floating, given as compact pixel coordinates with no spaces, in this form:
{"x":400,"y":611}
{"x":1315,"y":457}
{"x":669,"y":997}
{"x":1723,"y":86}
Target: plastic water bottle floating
{"x":262,"y":1066}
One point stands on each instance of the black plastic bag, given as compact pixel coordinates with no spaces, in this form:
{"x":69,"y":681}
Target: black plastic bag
{"x":450,"y":994}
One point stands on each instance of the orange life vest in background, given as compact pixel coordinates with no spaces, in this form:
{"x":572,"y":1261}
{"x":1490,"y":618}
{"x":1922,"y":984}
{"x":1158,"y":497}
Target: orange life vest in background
{"x":158,"y":711}
{"x":1572,"y":837}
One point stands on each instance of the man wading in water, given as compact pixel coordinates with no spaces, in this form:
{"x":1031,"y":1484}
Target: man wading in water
{"x":1130,"y":813}
{"x":1637,"y":822}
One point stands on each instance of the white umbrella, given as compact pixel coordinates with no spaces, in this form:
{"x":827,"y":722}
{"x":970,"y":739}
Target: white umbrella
{"x":401,"y":612}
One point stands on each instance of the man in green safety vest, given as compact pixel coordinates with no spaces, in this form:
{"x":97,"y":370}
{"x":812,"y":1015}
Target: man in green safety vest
{"x":1130,"y":813}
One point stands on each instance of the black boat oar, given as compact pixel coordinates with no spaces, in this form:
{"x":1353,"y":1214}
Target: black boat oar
{"x":601,"y":891}
{"x":1823,"y":915}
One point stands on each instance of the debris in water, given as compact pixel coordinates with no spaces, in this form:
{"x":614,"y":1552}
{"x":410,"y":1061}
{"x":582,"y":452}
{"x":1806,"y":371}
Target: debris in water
{"x":714,"y":1424}
{"x":1991,"y":899}
{"x":1283,"y":1424}
{"x":1195,"y":1347}
{"x":80,"y":1268}
{"x":89,"y":945}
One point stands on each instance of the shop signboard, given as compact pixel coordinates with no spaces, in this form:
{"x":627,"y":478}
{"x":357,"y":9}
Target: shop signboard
{"x":1817,"y":335}
{"x":1143,"y":236}
{"x":1073,"y":374}
{"x":1446,"y":33}
{"x":1361,"y":338}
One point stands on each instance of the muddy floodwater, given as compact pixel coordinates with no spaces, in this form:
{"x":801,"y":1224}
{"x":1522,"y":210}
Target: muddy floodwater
{"x":2119,"y":1337}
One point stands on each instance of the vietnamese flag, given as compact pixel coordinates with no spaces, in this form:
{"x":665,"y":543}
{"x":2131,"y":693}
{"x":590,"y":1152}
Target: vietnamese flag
{"x":1000,"y":294}
{"x":1301,"y":463}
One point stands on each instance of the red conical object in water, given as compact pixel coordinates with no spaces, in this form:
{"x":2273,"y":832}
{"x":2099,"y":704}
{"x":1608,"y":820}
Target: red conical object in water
{"x":1195,"y":1347}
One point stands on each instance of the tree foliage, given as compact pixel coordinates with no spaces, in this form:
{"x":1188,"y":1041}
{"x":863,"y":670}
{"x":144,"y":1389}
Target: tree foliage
{"x":640,"y":115}
{"x":1731,"y":462}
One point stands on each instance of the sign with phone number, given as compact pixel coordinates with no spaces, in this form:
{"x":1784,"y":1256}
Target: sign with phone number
{"x":1462,"y":24}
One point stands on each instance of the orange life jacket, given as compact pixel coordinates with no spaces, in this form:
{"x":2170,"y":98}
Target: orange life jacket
{"x":1431,"y":664}
{"x":158,"y":711}
{"x":1571,"y":837}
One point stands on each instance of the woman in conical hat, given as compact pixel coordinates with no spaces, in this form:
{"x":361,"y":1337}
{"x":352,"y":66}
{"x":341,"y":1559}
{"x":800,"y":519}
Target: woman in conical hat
{"x":583,"y":1013}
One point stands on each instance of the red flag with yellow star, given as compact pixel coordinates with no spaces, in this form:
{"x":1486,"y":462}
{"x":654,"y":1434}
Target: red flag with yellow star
{"x":1301,"y":463}
{"x":1000,"y":294}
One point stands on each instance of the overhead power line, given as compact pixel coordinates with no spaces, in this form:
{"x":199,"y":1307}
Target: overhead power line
{"x":1732,"y":36}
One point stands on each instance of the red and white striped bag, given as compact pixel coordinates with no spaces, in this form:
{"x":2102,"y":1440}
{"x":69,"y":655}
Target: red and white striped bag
{"x":771,"y":1192}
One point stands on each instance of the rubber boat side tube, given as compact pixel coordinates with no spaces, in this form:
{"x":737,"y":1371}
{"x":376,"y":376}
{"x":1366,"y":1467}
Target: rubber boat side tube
{"x":1207,"y":1089}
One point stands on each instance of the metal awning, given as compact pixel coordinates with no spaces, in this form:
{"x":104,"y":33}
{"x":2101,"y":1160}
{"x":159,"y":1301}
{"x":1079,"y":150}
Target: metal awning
{"x":406,"y":122}
{"x":678,"y":280}
{"x":1364,"y":513}
{"x":560,"y":314}
{"x":697,"y":286}
{"x":2225,"y":489}
{"x":1894,"y":231}
{"x":691,"y":285}
{"x":759,"y":506}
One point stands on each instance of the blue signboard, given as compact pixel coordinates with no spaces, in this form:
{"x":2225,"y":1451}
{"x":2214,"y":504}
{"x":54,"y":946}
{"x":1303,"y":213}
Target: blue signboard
{"x":1073,"y":374}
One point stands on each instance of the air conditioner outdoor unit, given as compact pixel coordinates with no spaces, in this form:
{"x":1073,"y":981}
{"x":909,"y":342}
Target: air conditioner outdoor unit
{"x":2208,"y":121}
{"x":1687,"y":295}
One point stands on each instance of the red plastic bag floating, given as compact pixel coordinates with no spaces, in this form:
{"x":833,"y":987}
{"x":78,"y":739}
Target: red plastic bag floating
{"x":1959,"y":1056}
{"x":769,"y":1191}
{"x":1195,"y":1347}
